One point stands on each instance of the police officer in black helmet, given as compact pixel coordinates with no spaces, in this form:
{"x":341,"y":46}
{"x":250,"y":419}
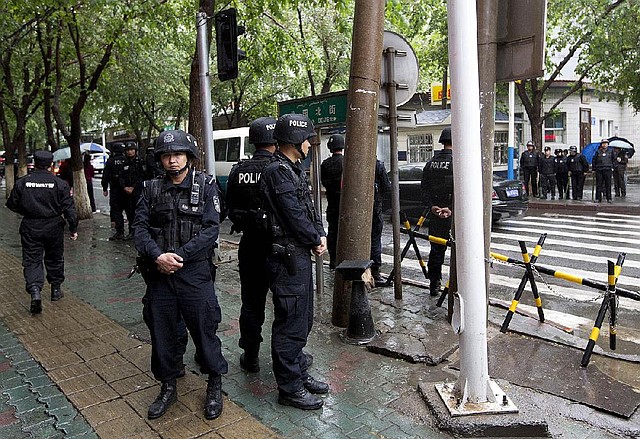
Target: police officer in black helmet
{"x":245,"y":211}
{"x":112,"y":188}
{"x":131,"y":179}
{"x":437,"y":188}
{"x":42,"y":198}
{"x":296,"y":230}
{"x":175,"y":230}
{"x":331,"y":177}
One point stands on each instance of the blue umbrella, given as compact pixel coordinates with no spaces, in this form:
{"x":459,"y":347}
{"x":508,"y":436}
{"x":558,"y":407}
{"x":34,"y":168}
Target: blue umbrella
{"x":92,"y":147}
{"x":590,"y":150}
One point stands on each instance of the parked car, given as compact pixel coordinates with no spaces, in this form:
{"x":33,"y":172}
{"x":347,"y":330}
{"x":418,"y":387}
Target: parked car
{"x":509,"y":198}
{"x":98,"y":159}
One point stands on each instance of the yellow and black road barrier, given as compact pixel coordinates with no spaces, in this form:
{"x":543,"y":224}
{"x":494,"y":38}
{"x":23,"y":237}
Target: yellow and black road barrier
{"x":609,"y":303}
{"x":411,"y":242}
{"x":527,"y":277}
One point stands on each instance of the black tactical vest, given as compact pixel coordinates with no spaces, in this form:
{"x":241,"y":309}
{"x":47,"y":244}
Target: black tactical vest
{"x":243,"y":194}
{"x":439,"y":172}
{"x":175,"y":214}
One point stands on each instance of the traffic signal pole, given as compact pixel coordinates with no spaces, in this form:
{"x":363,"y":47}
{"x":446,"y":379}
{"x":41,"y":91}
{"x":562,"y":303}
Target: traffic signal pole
{"x":205,"y":92}
{"x":356,"y":202}
{"x":473,"y":392}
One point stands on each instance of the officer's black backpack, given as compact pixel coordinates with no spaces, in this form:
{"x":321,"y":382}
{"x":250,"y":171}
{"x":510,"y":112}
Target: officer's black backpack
{"x":243,"y":201}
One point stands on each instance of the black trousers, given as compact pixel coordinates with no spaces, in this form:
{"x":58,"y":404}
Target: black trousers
{"x":254,"y":285}
{"x":122,"y":204}
{"x":577,"y":185}
{"x":603,"y":184}
{"x":619,"y":181}
{"x":293,"y":319}
{"x":190,"y":293}
{"x":531,"y":176}
{"x":376,"y":236}
{"x":562,"y":180}
{"x":439,"y":227}
{"x":548,"y":184}
{"x":333,"y":217}
{"x":42,"y":239}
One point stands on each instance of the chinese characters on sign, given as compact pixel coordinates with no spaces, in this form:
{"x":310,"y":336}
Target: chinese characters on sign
{"x":330,"y":110}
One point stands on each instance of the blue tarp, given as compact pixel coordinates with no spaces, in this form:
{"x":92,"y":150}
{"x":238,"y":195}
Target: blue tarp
{"x":589,"y":151}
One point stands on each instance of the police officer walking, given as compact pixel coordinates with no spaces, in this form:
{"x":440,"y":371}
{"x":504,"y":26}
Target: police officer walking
{"x":547,"y":169}
{"x":42,"y":198}
{"x":437,"y":189}
{"x":578,"y":165}
{"x":111,"y":180}
{"x":176,"y":227}
{"x":131,"y":179}
{"x":562,"y":175}
{"x":245,"y":211}
{"x":331,"y":177}
{"x":382,"y":186}
{"x":296,"y":230}
{"x":529,"y":161}
{"x":603,"y":166}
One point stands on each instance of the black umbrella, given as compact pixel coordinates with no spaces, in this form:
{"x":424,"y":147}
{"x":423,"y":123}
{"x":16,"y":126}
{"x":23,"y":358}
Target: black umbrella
{"x":622,"y":143}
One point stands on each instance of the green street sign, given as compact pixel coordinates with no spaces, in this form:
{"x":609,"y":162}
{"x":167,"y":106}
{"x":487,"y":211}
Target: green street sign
{"x":324,"y":110}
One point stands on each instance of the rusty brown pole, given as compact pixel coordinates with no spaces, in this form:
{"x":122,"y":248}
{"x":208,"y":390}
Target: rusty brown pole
{"x":356,"y":202}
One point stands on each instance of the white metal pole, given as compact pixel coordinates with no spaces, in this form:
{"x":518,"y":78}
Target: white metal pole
{"x":205,"y":92}
{"x":512,"y":128}
{"x":473,"y":381}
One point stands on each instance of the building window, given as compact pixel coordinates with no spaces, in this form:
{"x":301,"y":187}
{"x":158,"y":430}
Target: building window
{"x":554,"y":128}
{"x":420,"y":147}
{"x":500,"y":147}
{"x":602,"y":125}
{"x":610,"y":130}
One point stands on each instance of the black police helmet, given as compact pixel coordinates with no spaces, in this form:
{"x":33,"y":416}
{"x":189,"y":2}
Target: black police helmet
{"x":261,"y":131}
{"x":42,"y":159}
{"x":445,"y":136}
{"x":293,"y":129}
{"x":131,"y":145}
{"x":573,"y":148}
{"x":336,"y":142}
{"x":117,"y":148}
{"x":171,"y":141}
{"x":530,"y":143}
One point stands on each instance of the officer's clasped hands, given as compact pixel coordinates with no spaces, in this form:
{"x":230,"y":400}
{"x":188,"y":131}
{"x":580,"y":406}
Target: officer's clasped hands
{"x":169,"y":263}
{"x":320,"y":249}
{"x":441,"y":212}
{"x":74,"y":236}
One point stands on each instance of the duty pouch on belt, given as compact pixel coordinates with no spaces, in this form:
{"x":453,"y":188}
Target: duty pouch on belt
{"x":287,"y":253}
{"x":146,"y":268}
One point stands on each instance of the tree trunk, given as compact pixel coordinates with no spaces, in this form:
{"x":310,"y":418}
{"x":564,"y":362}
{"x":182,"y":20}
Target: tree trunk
{"x":195,"y":100}
{"x":81,"y":194}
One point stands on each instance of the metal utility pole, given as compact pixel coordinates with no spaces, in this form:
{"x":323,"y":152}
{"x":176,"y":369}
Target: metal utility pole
{"x":390,"y":64}
{"x":356,"y":202}
{"x":512,"y":129}
{"x":205,"y":92}
{"x":487,"y":50}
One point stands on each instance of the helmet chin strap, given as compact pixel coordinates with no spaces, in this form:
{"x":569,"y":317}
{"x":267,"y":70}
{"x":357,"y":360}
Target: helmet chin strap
{"x":178,"y":172}
{"x":299,"y":148}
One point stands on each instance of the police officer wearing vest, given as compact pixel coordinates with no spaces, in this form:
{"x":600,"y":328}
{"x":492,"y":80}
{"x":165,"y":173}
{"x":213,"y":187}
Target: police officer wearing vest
{"x":331,"y":177}
{"x":578,"y":165}
{"x":245,"y":211}
{"x":603,"y":166}
{"x":620,"y":160}
{"x":111,"y":187}
{"x":562,"y":175}
{"x":529,"y":161}
{"x":175,"y":230}
{"x":131,"y":179}
{"x":382,"y":185}
{"x":42,"y":199}
{"x":437,"y":188}
{"x":296,"y":230}
{"x":547,"y":169}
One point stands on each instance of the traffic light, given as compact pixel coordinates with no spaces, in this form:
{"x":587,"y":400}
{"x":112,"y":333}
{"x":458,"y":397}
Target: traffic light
{"x":227,"y":31}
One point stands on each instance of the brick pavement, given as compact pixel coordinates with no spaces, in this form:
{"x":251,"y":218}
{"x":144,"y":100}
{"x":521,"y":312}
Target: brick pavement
{"x":72,"y":372}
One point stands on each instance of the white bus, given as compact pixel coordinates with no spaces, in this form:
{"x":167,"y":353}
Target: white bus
{"x":230,"y":146}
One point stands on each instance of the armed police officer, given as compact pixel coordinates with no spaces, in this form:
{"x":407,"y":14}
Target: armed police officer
{"x":131,"y":179}
{"x":245,"y":211}
{"x":42,"y":199}
{"x":296,"y":230}
{"x":603,"y":166}
{"x":529,"y":161}
{"x":578,"y":165}
{"x":331,"y":177}
{"x":112,"y":188}
{"x":175,"y":230}
{"x":382,"y":185}
{"x":562,"y":175}
{"x":547,"y":169}
{"x":437,"y":189}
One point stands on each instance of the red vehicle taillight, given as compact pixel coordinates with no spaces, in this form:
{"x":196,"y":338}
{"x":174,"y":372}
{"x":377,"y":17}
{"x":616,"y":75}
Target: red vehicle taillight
{"x":494,"y":195}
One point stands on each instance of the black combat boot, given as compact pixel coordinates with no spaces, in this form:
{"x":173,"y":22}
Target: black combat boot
{"x":249,"y":362}
{"x":315,"y":386}
{"x":117,"y":236}
{"x":168,"y":395}
{"x":213,"y":404}
{"x":377,"y":278}
{"x":36,"y":300}
{"x":434,"y":287}
{"x":309,"y":358}
{"x":300,"y":399}
{"x":56,"y":293}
